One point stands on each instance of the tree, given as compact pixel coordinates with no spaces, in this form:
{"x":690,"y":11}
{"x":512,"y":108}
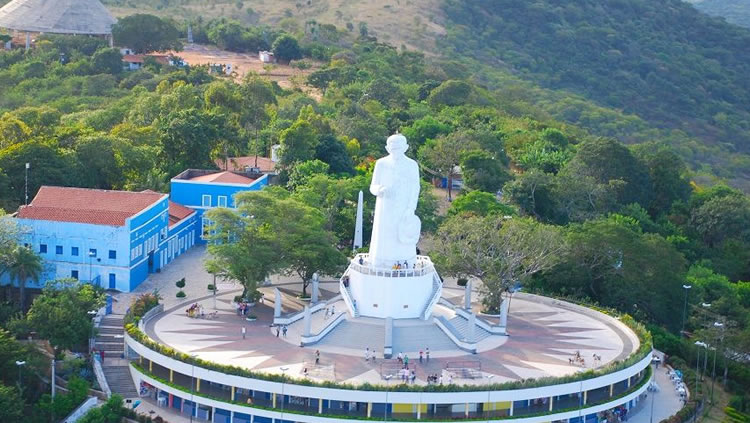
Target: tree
{"x":298,"y":143}
{"x":12,"y":130}
{"x":443,"y":155}
{"x":499,"y":252}
{"x":482,"y":171}
{"x":10,"y":351}
{"x":107,"y":60}
{"x":188,"y":137}
{"x":101,"y":157}
{"x":667,"y":173}
{"x":333,"y":152}
{"x":721,"y":218}
{"x":479,"y":203}
{"x":25,"y":264}
{"x":450,"y":93}
{"x":286,"y":48}
{"x":302,"y":172}
{"x":65,"y":301}
{"x":111,"y":412}
{"x":533,"y":193}
{"x":11,"y":404}
{"x":145,"y":33}
{"x":276,"y":233}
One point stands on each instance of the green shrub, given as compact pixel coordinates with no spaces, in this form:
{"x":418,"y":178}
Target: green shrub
{"x":181,"y":294}
{"x":180,"y":283}
{"x":211,"y":287}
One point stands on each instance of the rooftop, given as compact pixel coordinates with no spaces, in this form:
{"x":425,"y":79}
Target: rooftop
{"x":83,"y":205}
{"x":239,"y":164}
{"x":215,"y":176}
{"x":87,"y":17}
{"x":177,"y":212}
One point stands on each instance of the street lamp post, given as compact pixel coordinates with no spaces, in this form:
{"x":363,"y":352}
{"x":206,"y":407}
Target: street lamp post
{"x":684,"y":311}
{"x":713,"y":372}
{"x":698,"y":371}
{"x":93,"y":314}
{"x":20,"y":364}
{"x":283,"y":379}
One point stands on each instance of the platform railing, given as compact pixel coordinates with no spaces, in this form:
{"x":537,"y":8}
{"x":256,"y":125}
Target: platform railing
{"x":346,"y":294}
{"x":423,"y":266}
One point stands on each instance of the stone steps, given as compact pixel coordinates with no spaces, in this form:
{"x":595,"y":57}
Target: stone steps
{"x":120,"y":381}
{"x":462,"y":326}
{"x":415,"y":338}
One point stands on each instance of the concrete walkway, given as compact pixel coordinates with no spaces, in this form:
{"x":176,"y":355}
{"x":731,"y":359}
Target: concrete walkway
{"x":666,"y":402}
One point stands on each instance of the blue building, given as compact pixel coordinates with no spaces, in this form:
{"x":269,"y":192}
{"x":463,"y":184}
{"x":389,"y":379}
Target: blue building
{"x":203,"y":190}
{"x":110,"y":238}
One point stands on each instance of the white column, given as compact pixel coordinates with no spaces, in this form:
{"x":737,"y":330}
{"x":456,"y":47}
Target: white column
{"x":472,"y":327}
{"x":307,"y":321}
{"x":315,"y":284}
{"x":277,"y":303}
{"x":504,"y":312}
{"x":467,"y":295}
{"x":358,"y":222}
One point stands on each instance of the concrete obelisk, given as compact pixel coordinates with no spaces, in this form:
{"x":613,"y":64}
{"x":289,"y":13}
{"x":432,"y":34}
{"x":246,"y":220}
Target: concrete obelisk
{"x":358,"y":223}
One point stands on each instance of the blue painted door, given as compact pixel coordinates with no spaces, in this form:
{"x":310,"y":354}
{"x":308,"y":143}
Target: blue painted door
{"x":112,"y":281}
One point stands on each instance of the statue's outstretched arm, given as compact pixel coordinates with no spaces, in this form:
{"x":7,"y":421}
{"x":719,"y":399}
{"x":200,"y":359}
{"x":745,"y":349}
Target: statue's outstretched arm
{"x":376,"y":187}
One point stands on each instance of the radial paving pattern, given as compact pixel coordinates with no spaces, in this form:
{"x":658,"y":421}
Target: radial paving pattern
{"x":545,"y":334}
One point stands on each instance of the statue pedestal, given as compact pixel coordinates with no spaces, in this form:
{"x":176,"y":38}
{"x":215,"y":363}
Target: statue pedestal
{"x":399,"y":294}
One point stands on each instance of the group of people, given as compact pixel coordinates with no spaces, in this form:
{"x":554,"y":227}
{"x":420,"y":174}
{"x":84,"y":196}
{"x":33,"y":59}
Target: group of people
{"x":369,"y":354}
{"x":330,"y":311}
{"x":281,"y":329}
{"x":578,"y":359}
{"x":196,"y":310}
{"x":438,"y":379}
{"x":407,"y":376}
{"x":242,"y":308}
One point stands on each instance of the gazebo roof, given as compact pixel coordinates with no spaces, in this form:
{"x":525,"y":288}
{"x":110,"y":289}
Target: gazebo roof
{"x":86,"y":17}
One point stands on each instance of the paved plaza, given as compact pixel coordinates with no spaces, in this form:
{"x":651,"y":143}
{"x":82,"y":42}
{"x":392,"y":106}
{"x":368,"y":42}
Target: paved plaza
{"x":544,"y":336}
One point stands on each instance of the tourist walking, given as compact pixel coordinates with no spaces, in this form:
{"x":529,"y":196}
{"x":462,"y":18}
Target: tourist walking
{"x":278,"y":329}
{"x":317,"y":356}
{"x":427,"y":354}
{"x":283,"y":331}
{"x":367,"y":354}
{"x":243,"y":332}
{"x":421,"y":353}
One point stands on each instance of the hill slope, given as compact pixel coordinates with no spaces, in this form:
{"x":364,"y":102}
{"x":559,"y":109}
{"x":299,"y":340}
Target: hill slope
{"x":661,"y":60}
{"x":734,"y":11}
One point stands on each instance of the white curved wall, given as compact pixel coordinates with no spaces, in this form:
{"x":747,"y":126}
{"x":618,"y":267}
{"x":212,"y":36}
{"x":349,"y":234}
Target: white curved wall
{"x":392,"y":396}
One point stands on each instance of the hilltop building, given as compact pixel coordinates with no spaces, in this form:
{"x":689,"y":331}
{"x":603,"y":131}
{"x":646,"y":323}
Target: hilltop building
{"x":28,"y":18}
{"x":109,"y":238}
{"x":202,"y":190}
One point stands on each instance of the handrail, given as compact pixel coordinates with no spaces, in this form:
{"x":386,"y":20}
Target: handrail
{"x":312,"y":339}
{"x":423,"y":267}
{"x":437,"y":291}
{"x":347,"y":295}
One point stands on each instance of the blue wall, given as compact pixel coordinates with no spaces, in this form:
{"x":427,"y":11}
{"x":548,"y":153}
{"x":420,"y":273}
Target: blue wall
{"x":190,"y":193}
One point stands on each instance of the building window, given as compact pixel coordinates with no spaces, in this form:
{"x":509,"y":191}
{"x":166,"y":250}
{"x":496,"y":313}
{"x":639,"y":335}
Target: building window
{"x":206,"y":200}
{"x":112,"y":254}
{"x":222,"y":201}
{"x":74,"y":274}
{"x":58,"y":249}
{"x":42,"y":248}
{"x":74,"y":251}
{"x":92,"y":252}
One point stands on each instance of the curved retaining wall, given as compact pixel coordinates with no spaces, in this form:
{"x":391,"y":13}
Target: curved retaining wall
{"x":386,"y":396}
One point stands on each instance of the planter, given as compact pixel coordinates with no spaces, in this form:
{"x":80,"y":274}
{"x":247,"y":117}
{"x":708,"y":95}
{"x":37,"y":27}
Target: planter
{"x":462,"y":282}
{"x":251,"y":318}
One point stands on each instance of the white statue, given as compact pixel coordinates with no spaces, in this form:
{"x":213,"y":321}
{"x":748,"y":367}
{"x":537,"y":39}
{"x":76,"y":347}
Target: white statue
{"x":395,"y":183}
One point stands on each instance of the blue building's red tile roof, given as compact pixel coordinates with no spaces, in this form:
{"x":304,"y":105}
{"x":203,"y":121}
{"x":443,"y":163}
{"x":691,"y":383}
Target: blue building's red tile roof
{"x":177,"y":212}
{"x":223,"y":177}
{"x":83,"y":205}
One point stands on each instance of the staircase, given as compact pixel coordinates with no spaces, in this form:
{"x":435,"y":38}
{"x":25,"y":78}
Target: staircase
{"x":116,"y":370}
{"x":346,"y":294}
{"x":437,"y":292}
{"x":462,"y":326}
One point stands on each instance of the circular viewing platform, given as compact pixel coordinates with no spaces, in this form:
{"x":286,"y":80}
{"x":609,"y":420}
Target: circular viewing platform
{"x":561,"y":362}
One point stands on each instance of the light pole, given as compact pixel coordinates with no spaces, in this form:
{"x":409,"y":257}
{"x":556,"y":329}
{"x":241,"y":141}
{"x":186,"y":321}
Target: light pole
{"x":698,"y":372}
{"x":713,"y":372}
{"x":26,"y":184}
{"x":684,"y":311}
{"x":20,"y":364}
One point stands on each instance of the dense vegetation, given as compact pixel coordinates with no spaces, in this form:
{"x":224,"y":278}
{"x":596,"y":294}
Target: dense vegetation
{"x":734,"y":11}
{"x":584,"y":216}
{"x":662,"y":62}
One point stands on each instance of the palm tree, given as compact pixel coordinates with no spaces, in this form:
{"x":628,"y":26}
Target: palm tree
{"x":25,"y":264}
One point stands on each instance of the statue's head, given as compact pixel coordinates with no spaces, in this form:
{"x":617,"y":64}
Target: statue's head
{"x":396,"y":144}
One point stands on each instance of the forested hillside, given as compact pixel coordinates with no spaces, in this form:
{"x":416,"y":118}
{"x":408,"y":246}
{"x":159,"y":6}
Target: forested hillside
{"x":734,"y":11}
{"x":660,"y":60}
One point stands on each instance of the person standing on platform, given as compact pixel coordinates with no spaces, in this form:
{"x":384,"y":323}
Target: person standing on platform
{"x":243,"y":332}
